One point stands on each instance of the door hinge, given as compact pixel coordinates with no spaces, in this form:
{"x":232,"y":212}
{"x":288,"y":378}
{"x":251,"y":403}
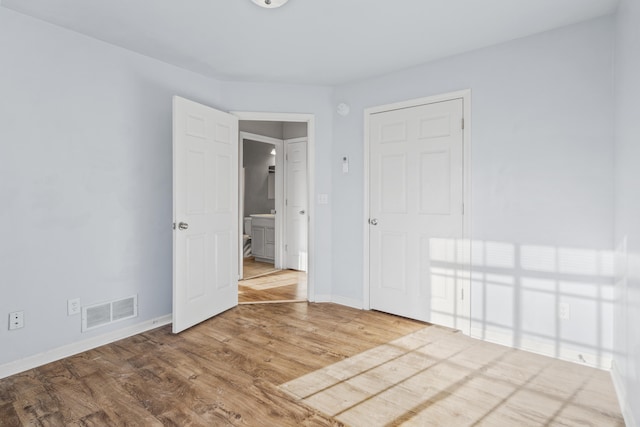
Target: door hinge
{"x":462,"y":294}
{"x":463,"y":123}
{"x":286,"y":202}
{"x":286,"y":248}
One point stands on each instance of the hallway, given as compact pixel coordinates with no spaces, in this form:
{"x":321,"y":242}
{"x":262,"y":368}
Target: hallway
{"x":263,"y":284}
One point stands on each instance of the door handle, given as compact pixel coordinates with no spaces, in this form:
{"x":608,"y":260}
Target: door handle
{"x":373,"y":221}
{"x":301,"y":212}
{"x":183,"y":226}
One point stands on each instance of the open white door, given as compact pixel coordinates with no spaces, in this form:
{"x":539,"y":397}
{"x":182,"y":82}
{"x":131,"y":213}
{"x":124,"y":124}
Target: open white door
{"x":205,"y":212}
{"x":296,"y":204}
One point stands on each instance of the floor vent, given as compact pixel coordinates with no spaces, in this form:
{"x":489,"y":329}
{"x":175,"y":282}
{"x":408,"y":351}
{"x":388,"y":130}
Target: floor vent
{"x":97,"y":315}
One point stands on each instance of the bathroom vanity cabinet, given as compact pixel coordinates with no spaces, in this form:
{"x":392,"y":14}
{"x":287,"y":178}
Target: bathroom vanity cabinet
{"x":263,"y":237}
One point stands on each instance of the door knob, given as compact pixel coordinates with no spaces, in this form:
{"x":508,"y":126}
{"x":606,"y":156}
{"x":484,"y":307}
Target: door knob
{"x":373,"y":221}
{"x":183,"y":226}
{"x":301,"y":212}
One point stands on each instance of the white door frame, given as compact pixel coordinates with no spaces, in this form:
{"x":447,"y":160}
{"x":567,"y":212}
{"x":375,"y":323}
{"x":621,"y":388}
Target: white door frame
{"x":465,"y":95}
{"x":309,"y":119}
{"x":279,"y":201}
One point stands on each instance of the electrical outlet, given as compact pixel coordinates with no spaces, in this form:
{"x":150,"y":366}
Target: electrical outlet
{"x":564,"y":311}
{"x":16,"y":320}
{"x":73,"y":306}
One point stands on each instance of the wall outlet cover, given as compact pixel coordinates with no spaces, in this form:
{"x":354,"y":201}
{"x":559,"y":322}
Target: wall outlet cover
{"x":16,"y":320}
{"x":564,"y":311}
{"x":73,"y":306}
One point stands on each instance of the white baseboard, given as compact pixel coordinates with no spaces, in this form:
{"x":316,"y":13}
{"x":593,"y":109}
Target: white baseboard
{"x":336,"y":299}
{"x":322,"y":298}
{"x":544,"y":348}
{"x":625,"y":405}
{"x":40,"y":359}
{"x":349,"y":302}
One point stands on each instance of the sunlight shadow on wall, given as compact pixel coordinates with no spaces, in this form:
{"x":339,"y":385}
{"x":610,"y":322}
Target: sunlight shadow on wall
{"x":551,"y":300}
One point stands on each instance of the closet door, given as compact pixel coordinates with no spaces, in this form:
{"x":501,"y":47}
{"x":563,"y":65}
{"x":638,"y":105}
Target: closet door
{"x":416,"y":196}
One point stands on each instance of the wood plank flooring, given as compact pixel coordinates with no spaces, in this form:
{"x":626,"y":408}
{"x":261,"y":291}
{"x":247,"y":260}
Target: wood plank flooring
{"x":252,"y":268}
{"x":281,"y":286}
{"x":228,"y":371}
{"x":434,"y":377}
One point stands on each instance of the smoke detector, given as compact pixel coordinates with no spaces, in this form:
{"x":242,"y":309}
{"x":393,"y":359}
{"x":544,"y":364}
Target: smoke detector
{"x":270,"y":4}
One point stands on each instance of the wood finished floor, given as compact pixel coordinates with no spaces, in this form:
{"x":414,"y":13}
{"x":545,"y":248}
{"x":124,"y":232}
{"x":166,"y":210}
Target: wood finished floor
{"x":252,"y":268}
{"x":281,"y":286}
{"x":264,"y":284}
{"x":228,"y":371}
{"x":433,"y":377}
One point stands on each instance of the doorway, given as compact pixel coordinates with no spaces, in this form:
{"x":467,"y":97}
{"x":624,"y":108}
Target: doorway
{"x":274,"y":210}
{"x":261,"y":186}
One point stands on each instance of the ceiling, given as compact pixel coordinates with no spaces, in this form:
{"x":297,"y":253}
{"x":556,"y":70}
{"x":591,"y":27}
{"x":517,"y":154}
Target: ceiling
{"x":324,"y":42}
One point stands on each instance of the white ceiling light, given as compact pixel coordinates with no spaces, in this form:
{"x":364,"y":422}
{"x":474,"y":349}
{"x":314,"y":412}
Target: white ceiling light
{"x":270,"y":4}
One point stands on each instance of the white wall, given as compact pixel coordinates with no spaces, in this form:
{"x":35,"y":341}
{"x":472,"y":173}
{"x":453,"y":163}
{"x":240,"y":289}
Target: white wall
{"x":85,"y":176}
{"x":542,"y":167}
{"x":626,"y":369}
{"x":85,"y":179}
{"x":292,"y":130}
{"x":271,"y":129}
{"x":278,"y":130}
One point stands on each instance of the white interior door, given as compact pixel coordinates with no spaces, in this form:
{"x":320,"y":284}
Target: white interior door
{"x":416,"y":211}
{"x":296,"y":204}
{"x":205,"y":212}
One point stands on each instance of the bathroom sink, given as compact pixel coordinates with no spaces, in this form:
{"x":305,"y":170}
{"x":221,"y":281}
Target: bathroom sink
{"x":269,"y":216}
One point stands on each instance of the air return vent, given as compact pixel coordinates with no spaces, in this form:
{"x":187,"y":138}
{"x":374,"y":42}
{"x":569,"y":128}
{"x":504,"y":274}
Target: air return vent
{"x":97,"y":315}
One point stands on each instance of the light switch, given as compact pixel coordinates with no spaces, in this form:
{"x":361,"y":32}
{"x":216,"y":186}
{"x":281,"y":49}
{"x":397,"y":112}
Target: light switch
{"x":323,"y":199}
{"x":345,"y":164}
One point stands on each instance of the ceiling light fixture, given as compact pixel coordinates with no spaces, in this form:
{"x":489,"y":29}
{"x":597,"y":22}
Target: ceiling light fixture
{"x":270,"y":4}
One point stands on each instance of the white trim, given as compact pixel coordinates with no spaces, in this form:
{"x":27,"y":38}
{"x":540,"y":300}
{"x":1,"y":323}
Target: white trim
{"x":468,"y":207}
{"x":309,"y":119}
{"x":74,"y":348}
{"x":349,"y":302}
{"x":366,"y":299}
{"x":336,"y":299}
{"x":279,"y":205}
{"x":537,"y":346}
{"x":465,"y":95}
{"x":322,"y":298}
{"x":625,"y":405}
